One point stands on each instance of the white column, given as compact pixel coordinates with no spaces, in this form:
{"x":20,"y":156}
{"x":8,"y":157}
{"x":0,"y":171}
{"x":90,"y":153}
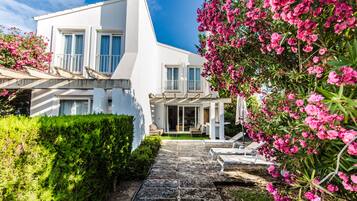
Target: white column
{"x":221,"y":120}
{"x":117,"y":97}
{"x":100,"y":101}
{"x":212,"y":121}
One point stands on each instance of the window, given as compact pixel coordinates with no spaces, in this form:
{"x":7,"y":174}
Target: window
{"x":194,"y":79}
{"x":110,"y":52}
{"x":172,"y":81}
{"x":74,"y":107}
{"x":73,"y":51}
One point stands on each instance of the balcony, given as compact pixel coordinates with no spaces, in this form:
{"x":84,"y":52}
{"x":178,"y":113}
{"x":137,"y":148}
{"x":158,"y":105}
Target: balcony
{"x":107,"y":64}
{"x":194,"y":85}
{"x":173,"y":85}
{"x":71,"y":62}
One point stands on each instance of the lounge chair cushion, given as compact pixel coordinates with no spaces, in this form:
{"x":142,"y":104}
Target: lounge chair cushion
{"x":240,"y":159}
{"x":232,"y":151}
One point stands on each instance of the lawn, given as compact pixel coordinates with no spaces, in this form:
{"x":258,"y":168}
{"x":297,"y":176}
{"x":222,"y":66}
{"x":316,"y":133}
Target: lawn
{"x":183,"y":137}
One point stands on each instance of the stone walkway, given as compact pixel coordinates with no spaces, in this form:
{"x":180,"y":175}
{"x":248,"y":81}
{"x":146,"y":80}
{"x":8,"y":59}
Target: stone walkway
{"x":182,"y":171}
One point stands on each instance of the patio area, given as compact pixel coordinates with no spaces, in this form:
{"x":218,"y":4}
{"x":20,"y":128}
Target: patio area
{"x":183,"y":171}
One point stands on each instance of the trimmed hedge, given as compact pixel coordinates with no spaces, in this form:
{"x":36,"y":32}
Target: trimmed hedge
{"x":62,"y":158}
{"x":142,"y":158}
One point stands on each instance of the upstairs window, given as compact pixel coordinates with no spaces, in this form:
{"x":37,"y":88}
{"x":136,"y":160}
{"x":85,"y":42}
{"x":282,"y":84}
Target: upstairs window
{"x":73,"y":53}
{"x":194,"y":79}
{"x":109,"y":53}
{"x":172,"y":79}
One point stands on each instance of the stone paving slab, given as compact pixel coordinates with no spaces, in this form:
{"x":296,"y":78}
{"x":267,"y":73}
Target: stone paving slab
{"x":182,"y":171}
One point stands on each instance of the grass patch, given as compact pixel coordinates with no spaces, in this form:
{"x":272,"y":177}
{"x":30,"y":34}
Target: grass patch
{"x":183,"y":137}
{"x":248,"y":194}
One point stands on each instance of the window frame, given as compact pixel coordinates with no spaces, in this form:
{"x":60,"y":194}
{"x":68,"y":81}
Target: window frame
{"x":172,"y":80}
{"x":194,"y":77}
{"x":88,"y":99}
{"x":99,"y":42}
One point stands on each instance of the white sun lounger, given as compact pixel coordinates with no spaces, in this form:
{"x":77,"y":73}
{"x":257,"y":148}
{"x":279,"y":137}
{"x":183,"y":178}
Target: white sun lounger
{"x":233,"y":140}
{"x":251,"y":149}
{"x":225,"y":160}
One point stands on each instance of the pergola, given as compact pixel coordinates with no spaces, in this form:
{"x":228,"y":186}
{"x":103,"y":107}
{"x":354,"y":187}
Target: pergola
{"x":187,"y":98}
{"x":34,"y":79}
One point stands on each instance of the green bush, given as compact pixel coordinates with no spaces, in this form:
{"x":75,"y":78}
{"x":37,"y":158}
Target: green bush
{"x":62,"y":158}
{"x":142,"y":158}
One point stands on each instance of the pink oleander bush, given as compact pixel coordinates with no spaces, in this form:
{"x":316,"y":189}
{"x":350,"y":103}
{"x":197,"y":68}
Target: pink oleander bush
{"x":301,"y":55}
{"x":19,"y":50}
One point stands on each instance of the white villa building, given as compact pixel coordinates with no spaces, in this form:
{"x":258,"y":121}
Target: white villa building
{"x":115,"y":39}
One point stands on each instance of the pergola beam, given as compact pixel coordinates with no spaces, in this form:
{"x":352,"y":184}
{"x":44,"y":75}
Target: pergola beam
{"x":63,"y":84}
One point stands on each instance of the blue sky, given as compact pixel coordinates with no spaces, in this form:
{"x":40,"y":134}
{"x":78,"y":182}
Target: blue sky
{"x":174,"y":20}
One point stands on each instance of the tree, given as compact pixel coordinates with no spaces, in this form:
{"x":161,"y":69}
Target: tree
{"x":18,"y":50}
{"x":302,"y":56}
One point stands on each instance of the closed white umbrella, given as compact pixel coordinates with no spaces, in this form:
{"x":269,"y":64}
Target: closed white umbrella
{"x":241,"y":111}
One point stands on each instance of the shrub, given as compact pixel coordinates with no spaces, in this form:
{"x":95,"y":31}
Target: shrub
{"x":62,"y":158}
{"x":142,"y":158}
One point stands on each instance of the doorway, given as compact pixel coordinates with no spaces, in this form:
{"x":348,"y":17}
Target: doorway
{"x":182,"y":118}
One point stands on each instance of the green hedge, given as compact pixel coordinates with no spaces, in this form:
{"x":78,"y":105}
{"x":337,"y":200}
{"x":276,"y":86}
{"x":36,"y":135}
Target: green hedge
{"x":62,"y":158}
{"x":142,"y":158}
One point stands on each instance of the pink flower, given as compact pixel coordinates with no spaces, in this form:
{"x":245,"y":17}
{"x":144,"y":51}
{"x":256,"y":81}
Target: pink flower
{"x":292,"y":41}
{"x":333,"y":78}
{"x":273,"y":171}
{"x":305,"y":134}
{"x":354,"y":178}
{"x":343,"y":176}
{"x":347,"y":136}
{"x":275,"y":38}
{"x":332,"y":134}
{"x":303,"y":143}
{"x":332,"y":188}
{"x":311,"y":110}
{"x":291,"y":96}
{"x":270,"y":188}
{"x":299,"y":103}
{"x":352,"y":149}
{"x":311,"y":196}
{"x":315,"y":98}
{"x":316,"y":70}
{"x":294,"y":49}
{"x":279,"y":50}
{"x":308,"y":48}
{"x":316,"y":59}
{"x":322,"y":51}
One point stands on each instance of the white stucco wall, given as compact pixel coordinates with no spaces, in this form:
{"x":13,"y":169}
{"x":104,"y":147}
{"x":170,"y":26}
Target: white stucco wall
{"x":90,"y":20}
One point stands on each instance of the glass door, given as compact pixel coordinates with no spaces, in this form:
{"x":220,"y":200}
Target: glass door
{"x":182,"y":118}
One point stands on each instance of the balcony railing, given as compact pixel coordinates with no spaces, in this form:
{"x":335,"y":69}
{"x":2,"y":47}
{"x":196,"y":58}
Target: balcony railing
{"x":107,"y":63}
{"x":172,"y":85}
{"x":71,"y":62}
{"x":194,"y":85}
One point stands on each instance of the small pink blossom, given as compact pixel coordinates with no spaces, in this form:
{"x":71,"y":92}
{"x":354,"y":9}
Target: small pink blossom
{"x":332,"y":188}
{"x":322,"y":51}
{"x":352,"y":149}
{"x":315,"y":98}
{"x":308,"y":48}
{"x":299,"y":103}
{"x":354,"y":178}
{"x":316,"y":59}
{"x":291,"y":96}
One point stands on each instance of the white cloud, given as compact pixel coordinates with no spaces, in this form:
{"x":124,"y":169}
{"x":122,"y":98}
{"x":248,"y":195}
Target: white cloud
{"x":20,"y":13}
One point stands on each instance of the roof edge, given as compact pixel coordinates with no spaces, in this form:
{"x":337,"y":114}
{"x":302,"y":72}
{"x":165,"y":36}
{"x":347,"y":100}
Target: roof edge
{"x":176,"y":48}
{"x":73,"y":10}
